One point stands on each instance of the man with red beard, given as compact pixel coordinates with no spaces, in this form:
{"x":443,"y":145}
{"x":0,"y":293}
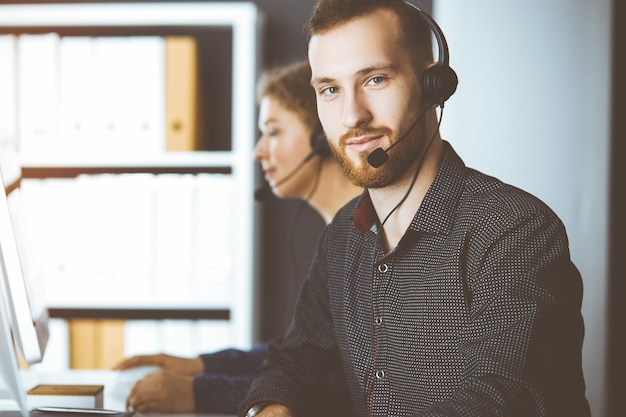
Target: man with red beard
{"x":441,"y":291}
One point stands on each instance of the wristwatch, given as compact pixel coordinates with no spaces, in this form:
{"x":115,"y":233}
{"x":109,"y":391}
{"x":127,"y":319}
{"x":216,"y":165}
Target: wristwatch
{"x":256,"y":409}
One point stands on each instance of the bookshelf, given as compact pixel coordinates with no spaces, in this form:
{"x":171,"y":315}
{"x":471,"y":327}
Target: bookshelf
{"x":232,"y":156}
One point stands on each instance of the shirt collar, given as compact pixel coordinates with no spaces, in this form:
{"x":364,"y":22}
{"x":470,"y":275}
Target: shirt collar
{"x":436,"y":214}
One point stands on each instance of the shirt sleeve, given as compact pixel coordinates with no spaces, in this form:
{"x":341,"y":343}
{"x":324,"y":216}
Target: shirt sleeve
{"x":226,"y":379}
{"x":298,"y":366}
{"x":525,"y":331}
{"x":233,"y":361}
{"x":215,"y":393}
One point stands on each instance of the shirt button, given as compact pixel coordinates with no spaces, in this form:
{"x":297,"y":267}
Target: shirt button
{"x":383,"y":268}
{"x":380,"y":374}
{"x":378,"y":321}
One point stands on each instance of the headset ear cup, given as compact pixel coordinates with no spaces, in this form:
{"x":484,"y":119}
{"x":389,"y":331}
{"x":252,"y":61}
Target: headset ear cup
{"x":319,"y":144}
{"x":439,"y":84}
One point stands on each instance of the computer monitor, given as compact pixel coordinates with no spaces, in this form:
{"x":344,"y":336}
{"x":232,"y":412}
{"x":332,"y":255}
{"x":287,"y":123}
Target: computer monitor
{"x":29,"y":326}
{"x":11,"y":387}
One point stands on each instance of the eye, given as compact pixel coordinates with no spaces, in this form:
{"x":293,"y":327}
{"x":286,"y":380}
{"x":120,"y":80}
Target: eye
{"x":329,"y":92}
{"x":271,"y":130}
{"x":269,"y":133}
{"x":376,"y":80}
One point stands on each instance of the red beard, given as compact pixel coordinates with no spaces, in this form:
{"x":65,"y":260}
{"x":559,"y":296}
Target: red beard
{"x":400,"y":158}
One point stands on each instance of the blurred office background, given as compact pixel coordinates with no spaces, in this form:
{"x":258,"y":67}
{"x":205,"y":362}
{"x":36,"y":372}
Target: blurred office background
{"x":541,"y":105}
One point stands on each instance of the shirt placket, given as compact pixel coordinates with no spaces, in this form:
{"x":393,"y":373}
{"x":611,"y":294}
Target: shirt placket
{"x":379,"y":399}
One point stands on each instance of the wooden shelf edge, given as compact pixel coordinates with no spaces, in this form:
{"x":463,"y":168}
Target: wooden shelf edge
{"x":139,"y":313}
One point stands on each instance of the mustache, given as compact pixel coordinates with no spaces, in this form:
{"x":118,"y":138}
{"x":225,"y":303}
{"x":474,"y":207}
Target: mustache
{"x":364,"y":131}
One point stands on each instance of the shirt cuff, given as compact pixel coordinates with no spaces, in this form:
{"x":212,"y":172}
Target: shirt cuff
{"x":256,"y":409}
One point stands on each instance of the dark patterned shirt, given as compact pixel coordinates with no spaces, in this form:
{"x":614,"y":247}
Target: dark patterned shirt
{"x":226,"y":379}
{"x":476,"y":312}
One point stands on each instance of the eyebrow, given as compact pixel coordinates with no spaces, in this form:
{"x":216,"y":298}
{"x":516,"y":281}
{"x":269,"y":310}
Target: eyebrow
{"x":266,"y":123}
{"x":318,"y":80}
{"x":359,"y":73}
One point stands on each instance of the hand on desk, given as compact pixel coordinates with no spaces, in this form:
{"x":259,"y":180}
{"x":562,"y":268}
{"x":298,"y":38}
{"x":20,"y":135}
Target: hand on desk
{"x":162,"y":391}
{"x":175,"y":364}
{"x":170,"y":390}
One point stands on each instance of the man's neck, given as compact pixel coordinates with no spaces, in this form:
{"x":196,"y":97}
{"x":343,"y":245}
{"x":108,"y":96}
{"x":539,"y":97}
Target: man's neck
{"x":385,"y":199}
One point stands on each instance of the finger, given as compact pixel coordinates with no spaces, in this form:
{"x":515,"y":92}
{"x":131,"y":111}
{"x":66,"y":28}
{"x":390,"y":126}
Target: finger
{"x":123,"y":364}
{"x":128,"y":363}
{"x":136,"y":399}
{"x":132,"y":397}
{"x":140,"y":360}
{"x":133,"y":392}
{"x":147,"y":405}
{"x":130,"y":400}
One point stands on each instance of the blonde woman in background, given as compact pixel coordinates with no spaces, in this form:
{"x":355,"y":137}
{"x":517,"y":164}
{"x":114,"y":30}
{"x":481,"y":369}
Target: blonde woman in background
{"x":296,"y":162}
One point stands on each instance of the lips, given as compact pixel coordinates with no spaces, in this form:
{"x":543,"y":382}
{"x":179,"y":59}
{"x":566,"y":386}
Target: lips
{"x":364,"y":143}
{"x":269,"y":173}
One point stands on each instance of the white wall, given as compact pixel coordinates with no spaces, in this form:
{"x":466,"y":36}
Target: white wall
{"x":533,"y":108}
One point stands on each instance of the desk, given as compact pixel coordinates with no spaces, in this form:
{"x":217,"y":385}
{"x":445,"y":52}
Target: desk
{"x":114,"y":396}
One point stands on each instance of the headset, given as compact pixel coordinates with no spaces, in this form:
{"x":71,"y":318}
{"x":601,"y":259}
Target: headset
{"x":319,"y":146}
{"x":438,"y":84}
{"x":440,"y":81}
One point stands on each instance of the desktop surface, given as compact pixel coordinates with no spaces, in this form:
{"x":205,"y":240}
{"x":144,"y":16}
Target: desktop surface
{"x":38,"y":413}
{"x":114,"y":395}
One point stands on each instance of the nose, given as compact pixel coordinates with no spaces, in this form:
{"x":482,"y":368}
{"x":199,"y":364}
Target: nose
{"x":260,"y":150}
{"x":355,"y":111}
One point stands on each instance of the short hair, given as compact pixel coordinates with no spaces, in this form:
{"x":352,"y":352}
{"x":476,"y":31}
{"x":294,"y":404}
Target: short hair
{"x":327,"y":14}
{"x":291,"y":86}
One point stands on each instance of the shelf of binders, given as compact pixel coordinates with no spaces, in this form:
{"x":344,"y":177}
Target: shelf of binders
{"x":112,"y":88}
{"x":127,"y":103}
{"x":96,"y":82}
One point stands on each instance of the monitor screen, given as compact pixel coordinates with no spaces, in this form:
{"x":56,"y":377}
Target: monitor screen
{"x":29,"y":327}
{"x":11,"y":387}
